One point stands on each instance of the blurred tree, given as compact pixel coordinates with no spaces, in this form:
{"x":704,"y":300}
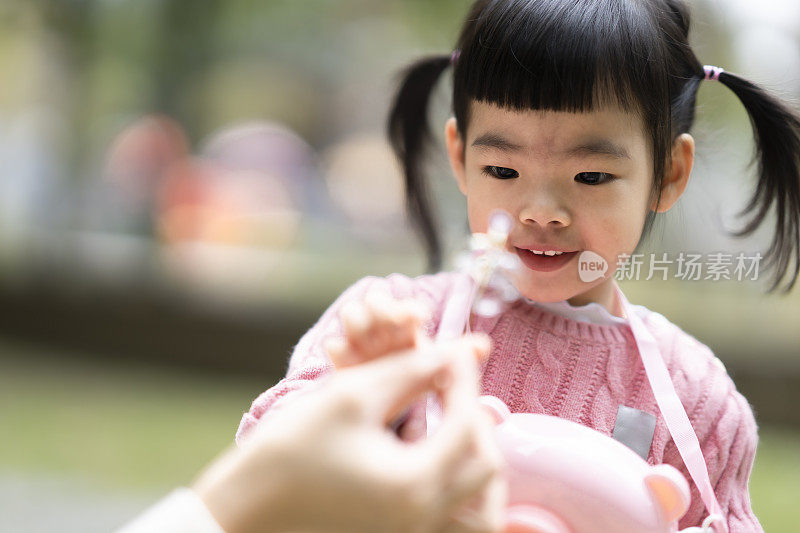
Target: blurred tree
{"x":71,"y":25}
{"x":185,"y":46}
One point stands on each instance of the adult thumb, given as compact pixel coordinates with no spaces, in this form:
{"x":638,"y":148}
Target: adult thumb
{"x":395,"y":381}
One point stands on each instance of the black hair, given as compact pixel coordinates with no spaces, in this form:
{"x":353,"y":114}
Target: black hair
{"x":564,"y":55}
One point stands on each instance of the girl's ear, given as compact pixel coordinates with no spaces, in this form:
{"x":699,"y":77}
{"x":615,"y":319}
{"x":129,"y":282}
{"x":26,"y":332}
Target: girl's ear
{"x":455,"y":152}
{"x":677,"y":175}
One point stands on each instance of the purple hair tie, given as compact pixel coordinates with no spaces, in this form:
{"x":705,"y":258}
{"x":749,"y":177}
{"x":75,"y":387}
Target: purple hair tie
{"x":712,"y":72}
{"x":454,"y":55}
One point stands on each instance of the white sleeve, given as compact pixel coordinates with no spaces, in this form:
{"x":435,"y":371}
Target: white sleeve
{"x":180,"y":511}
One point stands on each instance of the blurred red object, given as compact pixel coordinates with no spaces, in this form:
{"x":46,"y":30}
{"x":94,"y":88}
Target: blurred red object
{"x":201,"y":201}
{"x":141,"y":153}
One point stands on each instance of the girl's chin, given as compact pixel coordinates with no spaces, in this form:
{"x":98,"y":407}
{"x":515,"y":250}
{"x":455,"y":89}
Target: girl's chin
{"x":547,"y":293}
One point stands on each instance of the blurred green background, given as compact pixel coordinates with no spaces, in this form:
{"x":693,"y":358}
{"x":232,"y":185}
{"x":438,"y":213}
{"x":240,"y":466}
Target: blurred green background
{"x":186,"y":186}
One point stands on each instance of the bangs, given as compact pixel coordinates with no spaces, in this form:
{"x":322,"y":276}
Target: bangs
{"x":563,"y":56}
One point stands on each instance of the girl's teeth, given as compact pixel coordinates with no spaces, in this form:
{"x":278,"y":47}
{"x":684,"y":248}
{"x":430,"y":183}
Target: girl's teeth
{"x":548,"y":252}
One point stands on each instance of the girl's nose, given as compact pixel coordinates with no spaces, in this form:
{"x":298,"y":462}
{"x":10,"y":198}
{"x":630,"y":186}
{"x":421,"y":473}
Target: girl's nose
{"x":545,"y":212}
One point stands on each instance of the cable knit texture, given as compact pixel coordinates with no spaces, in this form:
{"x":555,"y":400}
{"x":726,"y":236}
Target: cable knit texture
{"x":546,"y":363}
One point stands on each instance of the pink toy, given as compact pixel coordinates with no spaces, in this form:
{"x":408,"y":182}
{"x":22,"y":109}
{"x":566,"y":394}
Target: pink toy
{"x":566,"y":478}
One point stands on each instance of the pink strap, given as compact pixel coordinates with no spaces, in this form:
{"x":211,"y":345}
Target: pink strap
{"x":672,"y":410}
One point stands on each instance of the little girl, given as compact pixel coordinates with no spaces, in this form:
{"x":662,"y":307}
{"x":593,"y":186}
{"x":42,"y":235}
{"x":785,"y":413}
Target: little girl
{"x":574,"y":117}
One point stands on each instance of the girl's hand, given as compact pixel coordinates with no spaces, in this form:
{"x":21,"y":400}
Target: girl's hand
{"x":376,"y":327}
{"x":326,"y":462}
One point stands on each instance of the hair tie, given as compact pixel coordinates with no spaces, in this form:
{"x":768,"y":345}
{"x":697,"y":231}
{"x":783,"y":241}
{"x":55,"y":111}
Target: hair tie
{"x":712,"y":72}
{"x":454,"y":55}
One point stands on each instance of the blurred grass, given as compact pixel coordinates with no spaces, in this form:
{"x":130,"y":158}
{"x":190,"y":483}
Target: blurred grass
{"x":120,"y":425}
{"x":145,"y":430}
{"x":775,"y":482}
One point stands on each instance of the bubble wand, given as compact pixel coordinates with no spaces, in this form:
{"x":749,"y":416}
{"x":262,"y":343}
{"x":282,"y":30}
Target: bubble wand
{"x":483,"y":286}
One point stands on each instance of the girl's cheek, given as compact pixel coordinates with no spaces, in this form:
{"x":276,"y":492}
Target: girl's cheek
{"x":478,"y":220}
{"x":610,"y":235}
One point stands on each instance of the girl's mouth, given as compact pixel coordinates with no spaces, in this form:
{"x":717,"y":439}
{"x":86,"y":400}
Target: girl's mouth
{"x":544,"y":263}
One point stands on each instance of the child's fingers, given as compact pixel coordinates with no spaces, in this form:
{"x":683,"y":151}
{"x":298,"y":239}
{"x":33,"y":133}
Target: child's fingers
{"x":361,"y":328}
{"x":339,"y":352}
{"x":388,"y":321}
{"x":380,"y":324}
{"x":381,"y":303}
{"x":391,"y":310}
{"x":334,"y":347}
{"x":411,"y":312}
{"x":411,"y":315}
{"x":354,"y":318}
{"x":393,"y":323}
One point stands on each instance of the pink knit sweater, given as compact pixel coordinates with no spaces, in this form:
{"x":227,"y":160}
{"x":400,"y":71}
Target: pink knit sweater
{"x":547,"y":363}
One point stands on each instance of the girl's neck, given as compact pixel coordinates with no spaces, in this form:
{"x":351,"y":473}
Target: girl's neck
{"x":603,"y":294}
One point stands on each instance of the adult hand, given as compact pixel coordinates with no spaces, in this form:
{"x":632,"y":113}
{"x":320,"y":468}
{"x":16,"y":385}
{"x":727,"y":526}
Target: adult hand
{"x":326,"y":462}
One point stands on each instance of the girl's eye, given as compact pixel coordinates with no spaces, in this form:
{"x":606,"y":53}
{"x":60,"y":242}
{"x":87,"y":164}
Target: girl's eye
{"x":593,"y":178}
{"x":502,"y":173}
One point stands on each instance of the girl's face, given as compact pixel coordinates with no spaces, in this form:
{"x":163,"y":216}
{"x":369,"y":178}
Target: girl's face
{"x":572,"y":182}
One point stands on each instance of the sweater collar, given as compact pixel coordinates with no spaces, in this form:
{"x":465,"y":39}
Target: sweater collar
{"x":557,"y":324}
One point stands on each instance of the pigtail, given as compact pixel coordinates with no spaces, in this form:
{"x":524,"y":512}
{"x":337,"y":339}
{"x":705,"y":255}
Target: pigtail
{"x":409,"y":134}
{"x":776,"y":130}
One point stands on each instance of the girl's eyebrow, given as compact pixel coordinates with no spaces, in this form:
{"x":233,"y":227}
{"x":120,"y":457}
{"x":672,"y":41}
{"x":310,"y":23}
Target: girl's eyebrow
{"x":497,"y":142}
{"x":589,"y":146}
